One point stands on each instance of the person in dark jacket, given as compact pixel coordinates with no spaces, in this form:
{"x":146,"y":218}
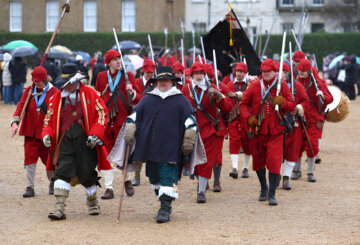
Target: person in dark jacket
{"x":98,"y":67}
{"x":351,"y":69}
{"x":51,"y":69}
{"x":18,"y":70}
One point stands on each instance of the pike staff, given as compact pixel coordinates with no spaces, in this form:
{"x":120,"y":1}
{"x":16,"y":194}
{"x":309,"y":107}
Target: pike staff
{"x":291,"y":71}
{"x":278,"y":87}
{"x":151,"y":52}
{"x":65,"y":9}
{"x":215,"y":69}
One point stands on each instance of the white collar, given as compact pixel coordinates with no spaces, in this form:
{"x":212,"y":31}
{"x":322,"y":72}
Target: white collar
{"x":144,"y":80}
{"x":201,"y":84}
{"x":173,"y":91}
{"x":236,"y":80}
{"x":65,"y":93}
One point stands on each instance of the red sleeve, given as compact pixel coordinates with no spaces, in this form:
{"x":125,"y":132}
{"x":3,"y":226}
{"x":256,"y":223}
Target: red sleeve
{"x":225,"y":105}
{"x":100,"y":119}
{"x":20,"y":105}
{"x":323,"y":87}
{"x":246,"y":104}
{"x":132,"y":81}
{"x":301,"y":96}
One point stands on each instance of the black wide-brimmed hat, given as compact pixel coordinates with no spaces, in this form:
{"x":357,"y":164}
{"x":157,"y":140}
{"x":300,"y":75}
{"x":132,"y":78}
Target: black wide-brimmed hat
{"x":165,"y":72}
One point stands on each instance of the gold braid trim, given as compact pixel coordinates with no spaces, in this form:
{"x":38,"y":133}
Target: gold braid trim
{"x":86,"y":111}
{"x":100,"y":110}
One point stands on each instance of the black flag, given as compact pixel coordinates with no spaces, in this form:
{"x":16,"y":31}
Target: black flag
{"x":220,"y":37}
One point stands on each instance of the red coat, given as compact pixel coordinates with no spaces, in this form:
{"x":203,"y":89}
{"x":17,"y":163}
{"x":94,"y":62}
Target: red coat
{"x":205,"y":127}
{"x":32,"y":122}
{"x":95,"y":117}
{"x":102,"y":84}
{"x":179,"y":87}
{"x":312,"y":115}
{"x":251,"y":102}
{"x":227,"y":79}
{"x":139,"y":86}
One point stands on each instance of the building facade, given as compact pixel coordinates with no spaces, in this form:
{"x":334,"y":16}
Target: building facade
{"x":38,"y":16}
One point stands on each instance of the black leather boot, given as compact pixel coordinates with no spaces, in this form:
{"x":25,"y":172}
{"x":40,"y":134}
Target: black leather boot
{"x":165,"y":209}
{"x":264,"y":187}
{"x":273,"y":180}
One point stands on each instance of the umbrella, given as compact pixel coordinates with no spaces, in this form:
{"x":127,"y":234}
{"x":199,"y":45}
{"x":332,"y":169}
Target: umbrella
{"x":56,"y":54}
{"x":86,"y":56}
{"x":127,"y":45}
{"x":23,"y":51}
{"x":336,"y":60}
{"x":62,"y":49}
{"x":197,"y":51}
{"x":18,"y":43}
{"x":136,"y":60}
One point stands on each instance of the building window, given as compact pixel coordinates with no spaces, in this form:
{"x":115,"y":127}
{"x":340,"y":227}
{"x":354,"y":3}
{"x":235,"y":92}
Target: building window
{"x":287,"y":27}
{"x":52,"y":15}
{"x":318,"y":2}
{"x":350,"y":2}
{"x":349,"y":27}
{"x":90,"y":22}
{"x":287,"y":2}
{"x":199,"y":26}
{"x":128,"y":16}
{"x":317,"y":27}
{"x":15,"y":17}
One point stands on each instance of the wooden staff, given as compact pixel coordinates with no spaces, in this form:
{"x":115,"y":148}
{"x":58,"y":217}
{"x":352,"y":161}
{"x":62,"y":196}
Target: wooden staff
{"x":65,"y":9}
{"x":123,"y":181}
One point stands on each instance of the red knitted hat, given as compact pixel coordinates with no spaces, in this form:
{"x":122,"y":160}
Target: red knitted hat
{"x":304,"y":65}
{"x":268,"y":65}
{"x":286,"y":67}
{"x":177,"y":66}
{"x":148,"y":66}
{"x":209,"y":71}
{"x":242,"y":67}
{"x":110,"y":54}
{"x":202,"y":59}
{"x":187,"y":72}
{"x":298,"y":55}
{"x":39,"y":74}
{"x":197,"y":66}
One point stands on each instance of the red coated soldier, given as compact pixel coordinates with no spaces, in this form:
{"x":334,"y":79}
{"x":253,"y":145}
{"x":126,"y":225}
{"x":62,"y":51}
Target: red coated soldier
{"x":142,"y":84}
{"x":111,"y":85}
{"x":314,"y":116}
{"x":237,"y":132}
{"x":31,"y":127}
{"x":179,"y":70}
{"x":267,"y":150}
{"x":294,"y":139}
{"x":200,"y":96}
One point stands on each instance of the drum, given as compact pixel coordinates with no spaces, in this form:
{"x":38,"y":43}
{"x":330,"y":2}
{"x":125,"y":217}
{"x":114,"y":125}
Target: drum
{"x":339,"y":109}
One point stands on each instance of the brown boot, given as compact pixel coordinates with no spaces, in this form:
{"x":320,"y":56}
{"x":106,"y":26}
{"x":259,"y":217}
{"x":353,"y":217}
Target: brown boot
{"x":109,"y":194}
{"x":59,"y":212}
{"x":129,"y":189}
{"x":216,"y":187}
{"x":29,"y":192}
{"x":245,"y":173}
{"x":201,"y":198}
{"x":234,"y":173}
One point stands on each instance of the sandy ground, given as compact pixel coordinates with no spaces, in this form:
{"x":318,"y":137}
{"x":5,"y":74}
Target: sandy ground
{"x":325,"y":212}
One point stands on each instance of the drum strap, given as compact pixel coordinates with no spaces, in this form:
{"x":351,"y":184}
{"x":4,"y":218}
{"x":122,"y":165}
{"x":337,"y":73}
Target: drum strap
{"x":311,"y":101}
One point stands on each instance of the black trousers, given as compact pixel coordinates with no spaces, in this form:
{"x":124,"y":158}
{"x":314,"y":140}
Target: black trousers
{"x":76,"y":159}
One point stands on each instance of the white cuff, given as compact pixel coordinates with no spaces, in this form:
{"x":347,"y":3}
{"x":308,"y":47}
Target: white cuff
{"x":60,"y":184}
{"x":170,"y":191}
{"x":15,"y":119}
{"x":134,"y":95}
{"x":155,"y":187}
{"x":90,"y":190}
{"x":132,"y":117}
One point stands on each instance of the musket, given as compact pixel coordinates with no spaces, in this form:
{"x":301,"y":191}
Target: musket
{"x":278,"y":87}
{"x":301,"y":19}
{"x":182,"y":61}
{"x":301,"y":39}
{"x":291,"y":72}
{"x":257,"y":36}
{"x":129,"y":93}
{"x":166,"y":37}
{"x":65,"y":9}
{"x":215,"y":69}
{"x":247,"y":74}
{"x":301,"y":119}
{"x":123,"y":181}
{"x":152,"y":52}
{"x":193,"y":41}
{"x":312,"y":75}
{"x":269,"y":34}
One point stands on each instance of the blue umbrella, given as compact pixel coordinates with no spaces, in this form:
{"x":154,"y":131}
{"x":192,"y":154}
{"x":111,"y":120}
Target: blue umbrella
{"x":336,"y":60}
{"x":127,"y":45}
{"x":86,"y":56}
{"x":23,"y":51}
